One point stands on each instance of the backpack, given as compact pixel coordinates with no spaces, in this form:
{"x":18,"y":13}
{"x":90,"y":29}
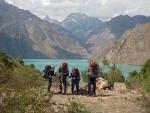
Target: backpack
{"x":47,"y":71}
{"x":91,"y":73}
{"x":64,"y":69}
{"x":75,"y":74}
{"x":95,"y":69}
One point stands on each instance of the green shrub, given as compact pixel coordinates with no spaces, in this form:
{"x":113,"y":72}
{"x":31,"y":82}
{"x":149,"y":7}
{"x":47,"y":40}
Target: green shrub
{"x":76,"y":107}
{"x":133,"y":80}
{"x":115,"y":75}
{"x":21,"y":87}
{"x":105,"y":62}
{"x":142,"y":81}
{"x":84,"y":76}
{"x":23,"y":102}
{"x":145,"y":77}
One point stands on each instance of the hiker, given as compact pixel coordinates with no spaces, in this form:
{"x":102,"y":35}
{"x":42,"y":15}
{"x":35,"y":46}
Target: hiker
{"x":75,"y":79}
{"x":48,"y":74}
{"x":93,"y":73}
{"x":64,"y":73}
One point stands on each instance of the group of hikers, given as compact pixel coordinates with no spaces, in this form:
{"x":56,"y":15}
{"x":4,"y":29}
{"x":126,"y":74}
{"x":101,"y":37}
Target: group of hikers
{"x":63,"y":74}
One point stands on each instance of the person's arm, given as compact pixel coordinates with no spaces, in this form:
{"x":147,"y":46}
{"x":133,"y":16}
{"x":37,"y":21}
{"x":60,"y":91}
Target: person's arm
{"x":87,"y":73}
{"x":67,"y":72}
{"x":79,"y":76}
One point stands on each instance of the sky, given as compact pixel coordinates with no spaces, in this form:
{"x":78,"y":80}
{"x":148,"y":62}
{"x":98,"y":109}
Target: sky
{"x":103,"y":9}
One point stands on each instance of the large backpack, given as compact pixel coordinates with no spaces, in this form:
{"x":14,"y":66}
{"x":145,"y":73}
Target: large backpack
{"x":75,"y":73}
{"x":47,"y":71}
{"x":95,"y":68}
{"x":64,"y":69}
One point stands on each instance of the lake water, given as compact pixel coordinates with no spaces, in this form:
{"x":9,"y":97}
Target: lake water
{"x":81,"y":64}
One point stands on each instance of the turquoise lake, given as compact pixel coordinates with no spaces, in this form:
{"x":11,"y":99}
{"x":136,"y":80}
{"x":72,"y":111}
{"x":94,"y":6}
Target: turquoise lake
{"x":81,"y":64}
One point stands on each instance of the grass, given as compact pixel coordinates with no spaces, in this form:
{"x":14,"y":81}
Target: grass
{"x":21,"y":88}
{"x":77,"y":107}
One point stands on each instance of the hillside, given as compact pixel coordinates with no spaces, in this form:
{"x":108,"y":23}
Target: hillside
{"x":132,"y":48}
{"x":26,"y":35}
{"x":81,"y":25}
{"x":96,"y":35}
{"x":111,"y":30}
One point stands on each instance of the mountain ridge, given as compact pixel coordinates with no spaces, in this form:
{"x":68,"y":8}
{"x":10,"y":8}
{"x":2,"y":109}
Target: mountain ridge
{"x":132,"y":48}
{"x":29,"y":31}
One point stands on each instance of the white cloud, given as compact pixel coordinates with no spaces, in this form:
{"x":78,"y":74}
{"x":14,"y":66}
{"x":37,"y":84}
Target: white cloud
{"x":105,"y":9}
{"x":45,"y":2}
{"x":103,"y":2}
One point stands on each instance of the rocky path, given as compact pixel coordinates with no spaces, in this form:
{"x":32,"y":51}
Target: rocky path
{"x":104,"y":102}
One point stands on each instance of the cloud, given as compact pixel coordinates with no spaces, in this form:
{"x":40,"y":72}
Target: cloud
{"x":104,"y":9}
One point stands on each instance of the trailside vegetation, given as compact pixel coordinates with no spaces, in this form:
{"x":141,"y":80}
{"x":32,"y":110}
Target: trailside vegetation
{"x":21,"y":87}
{"x":141,"y":81}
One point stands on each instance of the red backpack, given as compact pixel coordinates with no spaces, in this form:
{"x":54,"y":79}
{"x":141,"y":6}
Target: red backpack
{"x":93,"y":64}
{"x":65,"y":69}
{"x":65,"y":65}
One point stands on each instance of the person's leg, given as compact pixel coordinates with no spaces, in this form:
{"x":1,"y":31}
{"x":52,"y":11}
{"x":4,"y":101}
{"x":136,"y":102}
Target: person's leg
{"x":60,"y":84}
{"x":77,"y":86}
{"x":94,"y":86}
{"x":65,"y":84}
{"x":49,"y":84}
{"x":89,"y":86}
{"x":72,"y":86}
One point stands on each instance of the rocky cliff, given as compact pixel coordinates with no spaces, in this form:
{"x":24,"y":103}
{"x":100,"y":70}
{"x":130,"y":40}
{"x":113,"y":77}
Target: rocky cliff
{"x":132,"y":48}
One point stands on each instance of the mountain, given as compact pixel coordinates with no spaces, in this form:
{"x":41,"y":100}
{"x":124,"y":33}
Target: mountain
{"x":96,"y":44}
{"x":26,"y":35}
{"x":47,"y":18}
{"x":81,"y":25}
{"x":118,"y":25}
{"x":109,"y":31}
{"x":132,"y":48}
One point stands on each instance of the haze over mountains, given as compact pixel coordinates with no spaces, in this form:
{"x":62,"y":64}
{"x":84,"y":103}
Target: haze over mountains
{"x":96,"y":35}
{"x":78,"y":36}
{"x":26,"y":35}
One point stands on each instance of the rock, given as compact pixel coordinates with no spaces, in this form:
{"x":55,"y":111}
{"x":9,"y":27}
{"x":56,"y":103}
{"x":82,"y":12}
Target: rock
{"x":120,"y":87}
{"x":102,"y":84}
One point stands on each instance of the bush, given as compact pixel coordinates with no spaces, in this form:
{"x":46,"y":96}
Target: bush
{"x":105,"y":61}
{"x":133,"y":80}
{"x":142,"y":81}
{"x":23,"y":102}
{"x":21,"y":88}
{"x":76,"y":107}
{"x":115,"y":75}
{"x":84,"y":76}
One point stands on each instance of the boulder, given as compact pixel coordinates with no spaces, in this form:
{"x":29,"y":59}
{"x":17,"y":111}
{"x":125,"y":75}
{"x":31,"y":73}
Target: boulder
{"x":102,"y":84}
{"x":120,"y":87}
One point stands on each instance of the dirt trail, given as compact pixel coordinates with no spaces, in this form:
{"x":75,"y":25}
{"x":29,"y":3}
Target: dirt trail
{"x":104,"y":102}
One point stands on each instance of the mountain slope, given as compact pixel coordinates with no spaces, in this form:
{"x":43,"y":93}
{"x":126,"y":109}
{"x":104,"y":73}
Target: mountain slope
{"x":24,"y":34}
{"x":114,"y":29}
{"x":98,"y":43}
{"x":118,"y":25}
{"x":132,"y":48}
{"x":81,"y":25}
{"x":47,"y":18}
